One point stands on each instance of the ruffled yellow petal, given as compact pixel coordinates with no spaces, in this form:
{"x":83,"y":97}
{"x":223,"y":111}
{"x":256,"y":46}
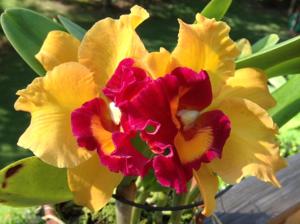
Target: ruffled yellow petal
{"x":109,"y":41}
{"x":208,"y":185}
{"x":249,"y":83}
{"x":58,"y":47}
{"x":207,"y":45}
{"x":158,"y":64}
{"x":251,"y":149}
{"x":50,"y":100}
{"x":92,"y":183}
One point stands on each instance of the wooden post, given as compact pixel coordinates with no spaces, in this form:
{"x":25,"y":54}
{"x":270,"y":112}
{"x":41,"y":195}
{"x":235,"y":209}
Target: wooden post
{"x":256,"y":202}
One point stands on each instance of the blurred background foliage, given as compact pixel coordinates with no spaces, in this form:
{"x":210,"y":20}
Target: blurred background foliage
{"x":248,"y":19}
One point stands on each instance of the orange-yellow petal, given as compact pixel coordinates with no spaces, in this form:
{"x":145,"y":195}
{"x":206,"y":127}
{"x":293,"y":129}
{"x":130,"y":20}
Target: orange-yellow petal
{"x":249,"y":83}
{"x":158,"y":64}
{"x":109,"y":41}
{"x":58,"y":47}
{"x":252,"y":149}
{"x":102,"y":136}
{"x":207,"y":45}
{"x":208,"y":184}
{"x":50,"y":100}
{"x":191,"y":149}
{"x":92,"y":183}
{"x":204,"y":140}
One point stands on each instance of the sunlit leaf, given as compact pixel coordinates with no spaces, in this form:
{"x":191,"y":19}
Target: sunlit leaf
{"x":276,"y":82}
{"x":74,"y":29}
{"x":288,"y":101}
{"x":275,"y":56}
{"x":291,"y":66}
{"x":216,"y":9}
{"x":265,"y":43}
{"x":26,"y":31}
{"x":30,"y":182}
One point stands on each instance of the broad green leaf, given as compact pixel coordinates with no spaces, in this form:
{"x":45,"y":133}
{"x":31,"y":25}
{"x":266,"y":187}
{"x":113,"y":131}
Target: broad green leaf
{"x":74,"y":29}
{"x":216,"y":9}
{"x":271,"y":57}
{"x":288,"y":101}
{"x":30,"y":182}
{"x":26,"y":31}
{"x":291,"y":66}
{"x":265,"y":43}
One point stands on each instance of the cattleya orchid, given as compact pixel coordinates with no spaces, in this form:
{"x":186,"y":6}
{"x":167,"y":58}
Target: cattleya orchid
{"x":198,"y":115}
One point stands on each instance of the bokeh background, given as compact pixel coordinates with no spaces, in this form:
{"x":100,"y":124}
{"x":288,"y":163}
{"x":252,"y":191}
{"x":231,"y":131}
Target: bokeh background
{"x":248,"y":19}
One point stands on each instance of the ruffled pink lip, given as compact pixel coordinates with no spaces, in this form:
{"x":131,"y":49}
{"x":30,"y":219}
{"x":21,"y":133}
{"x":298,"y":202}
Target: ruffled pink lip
{"x":148,"y":111}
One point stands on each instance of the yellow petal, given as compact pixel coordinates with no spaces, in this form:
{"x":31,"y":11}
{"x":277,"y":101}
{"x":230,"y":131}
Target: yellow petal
{"x":92,"y":183}
{"x":208,"y":185}
{"x":50,"y":100}
{"x":251,"y":149}
{"x":207,"y":45}
{"x":58,"y":47}
{"x":158,"y":64}
{"x":244,"y":47}
{"x":249,"y":83}
{"x":109,"y":41}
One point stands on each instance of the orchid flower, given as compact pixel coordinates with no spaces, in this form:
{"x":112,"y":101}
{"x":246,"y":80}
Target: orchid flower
{"x":198,"y":115}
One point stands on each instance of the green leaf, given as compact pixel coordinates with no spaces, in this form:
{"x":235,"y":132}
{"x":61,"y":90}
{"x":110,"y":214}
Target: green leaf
{"x":285,"y":52}
{"x":290,"y":67}
{"x":26,"y":31}
{"x":265,"y":43}
{"x":216,"y":9}
{"x":288,"y":101}
{"x":74,"y":29}
{"x":30,"y":182}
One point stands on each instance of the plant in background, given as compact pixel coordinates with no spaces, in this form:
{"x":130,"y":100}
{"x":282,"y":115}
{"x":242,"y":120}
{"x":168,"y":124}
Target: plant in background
{"x":106,"y":110}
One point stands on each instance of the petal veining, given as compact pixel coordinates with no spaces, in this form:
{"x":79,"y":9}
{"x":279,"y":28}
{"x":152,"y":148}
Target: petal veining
{"x":50,"y":101}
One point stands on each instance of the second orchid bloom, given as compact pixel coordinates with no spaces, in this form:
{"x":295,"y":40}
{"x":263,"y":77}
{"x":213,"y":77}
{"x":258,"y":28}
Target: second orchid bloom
{"x":198,"y":116}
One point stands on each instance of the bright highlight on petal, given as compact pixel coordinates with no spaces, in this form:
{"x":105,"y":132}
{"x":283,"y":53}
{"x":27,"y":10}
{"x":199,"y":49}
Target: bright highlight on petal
{"x":113,"y":40}
{"x":50,"y":101}
{"x":59,"y":47}
{"x":252,"y":148}
{"x":251,"y":84}
{"x":206,"y":45}
{"x":92,"y":183}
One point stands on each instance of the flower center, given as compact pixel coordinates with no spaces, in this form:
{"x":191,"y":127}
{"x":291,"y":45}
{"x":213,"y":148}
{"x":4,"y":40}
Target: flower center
{"x":115,"y":113}
{"x":188,"y":117}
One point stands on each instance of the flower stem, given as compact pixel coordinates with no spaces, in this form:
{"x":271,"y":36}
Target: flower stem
{"x":177,"y":200}
{"x":136,"y":212}
{"x":192,"y":195}
{"x":123,"y":211}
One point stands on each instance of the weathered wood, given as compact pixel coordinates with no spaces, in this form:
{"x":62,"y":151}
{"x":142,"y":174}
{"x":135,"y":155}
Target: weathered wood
{"x":255,"y":202}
